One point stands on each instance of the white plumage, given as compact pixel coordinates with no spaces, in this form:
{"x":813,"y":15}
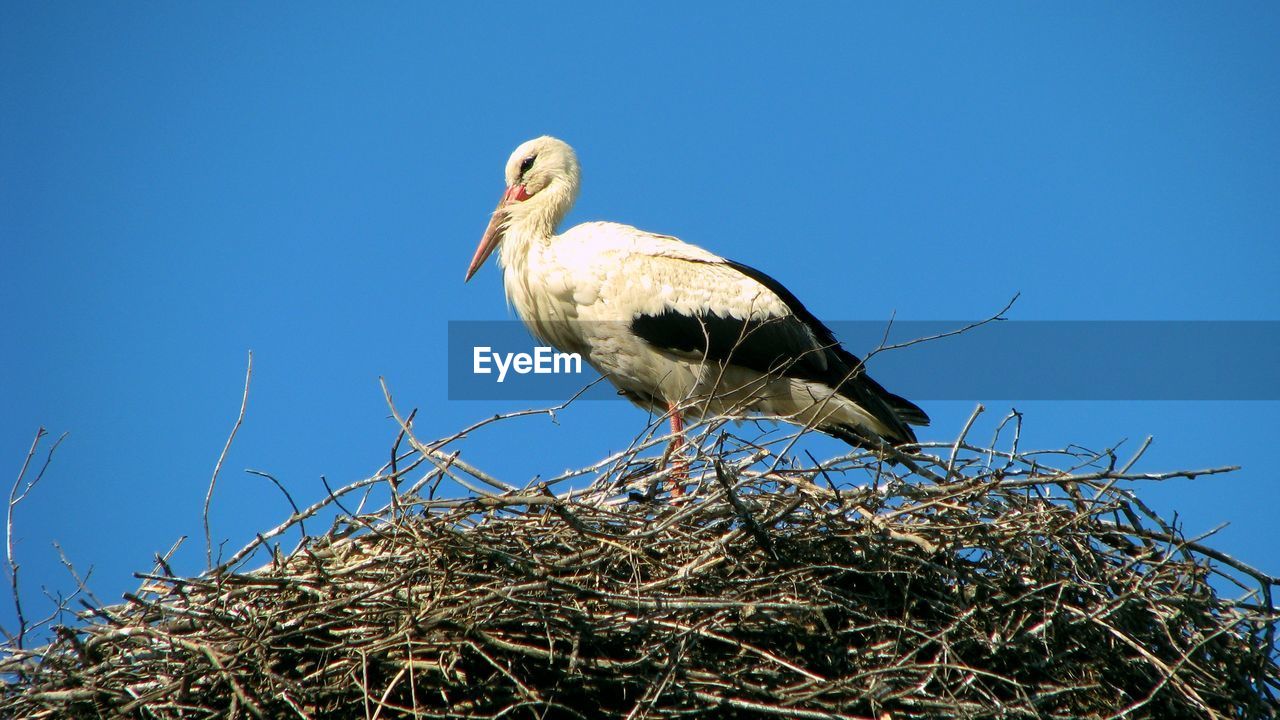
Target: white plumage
{"x":676,"y":328}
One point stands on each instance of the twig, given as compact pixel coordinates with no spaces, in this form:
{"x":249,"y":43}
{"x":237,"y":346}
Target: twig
{"x":82,"y":583}
{"x":898,"y":346}
{"x":217,"y":468}
{"x":301,"y":523}
{"x":14,"y":499}
{"x":951,"y":460}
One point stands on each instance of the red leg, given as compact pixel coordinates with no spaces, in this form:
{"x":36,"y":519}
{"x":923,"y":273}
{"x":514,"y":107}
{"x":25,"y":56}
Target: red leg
{"x":679,"y":466}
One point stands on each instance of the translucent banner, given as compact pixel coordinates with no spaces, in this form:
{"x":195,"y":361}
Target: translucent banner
{"x":1003,"y":360}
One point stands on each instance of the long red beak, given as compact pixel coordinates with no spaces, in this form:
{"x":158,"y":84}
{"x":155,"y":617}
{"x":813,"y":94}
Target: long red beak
{"x":492,"y":237}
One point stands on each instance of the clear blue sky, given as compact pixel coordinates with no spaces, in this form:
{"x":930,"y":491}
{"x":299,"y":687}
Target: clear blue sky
{"x":180,"y":183}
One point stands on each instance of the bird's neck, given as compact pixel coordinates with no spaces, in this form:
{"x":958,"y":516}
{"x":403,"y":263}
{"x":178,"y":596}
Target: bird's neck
{"x":533,"y":222}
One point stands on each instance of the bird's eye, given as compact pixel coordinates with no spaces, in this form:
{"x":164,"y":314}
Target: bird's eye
{"x":526,"y":164}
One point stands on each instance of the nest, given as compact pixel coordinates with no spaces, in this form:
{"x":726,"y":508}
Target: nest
{"x":951,"y":582}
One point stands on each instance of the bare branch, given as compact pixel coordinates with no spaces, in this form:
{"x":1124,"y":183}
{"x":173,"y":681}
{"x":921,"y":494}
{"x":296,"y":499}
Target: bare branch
{"x":15,"y":498}
{"x":217,"y":468}
{"x":950,"y":333}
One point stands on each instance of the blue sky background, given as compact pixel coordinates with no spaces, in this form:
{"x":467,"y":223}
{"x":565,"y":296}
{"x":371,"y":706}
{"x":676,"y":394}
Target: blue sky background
{"x":181,"y":183}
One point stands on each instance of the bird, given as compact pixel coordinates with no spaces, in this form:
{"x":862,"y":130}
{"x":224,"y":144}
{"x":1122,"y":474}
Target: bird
{"x":678,"y":330}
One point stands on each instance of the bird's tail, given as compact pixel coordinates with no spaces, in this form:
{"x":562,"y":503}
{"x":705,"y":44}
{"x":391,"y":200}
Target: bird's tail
{"x":907,"y":411}
{"x":894,"y":414}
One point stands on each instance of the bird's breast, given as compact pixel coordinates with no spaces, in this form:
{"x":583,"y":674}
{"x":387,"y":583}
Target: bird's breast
{"x":550,"y":296}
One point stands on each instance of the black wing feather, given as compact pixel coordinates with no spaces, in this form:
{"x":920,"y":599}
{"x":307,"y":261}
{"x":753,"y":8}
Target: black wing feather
{"x":775,"y":345}
{"x":797,"y":346}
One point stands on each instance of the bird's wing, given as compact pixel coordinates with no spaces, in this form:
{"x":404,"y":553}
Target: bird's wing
{"x":710,"y":309}
{"x":690,"y":302}
{"x":845,"y":361}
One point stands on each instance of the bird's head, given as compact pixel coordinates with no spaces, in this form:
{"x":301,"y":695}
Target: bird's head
{"x":542,"y":183}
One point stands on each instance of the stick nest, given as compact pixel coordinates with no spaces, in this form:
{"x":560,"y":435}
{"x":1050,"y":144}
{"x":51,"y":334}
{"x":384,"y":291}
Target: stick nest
{"x":968,"y":583}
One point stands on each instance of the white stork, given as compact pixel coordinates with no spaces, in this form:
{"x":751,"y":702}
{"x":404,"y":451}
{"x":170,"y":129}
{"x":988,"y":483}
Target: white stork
{"x":676,"y":328}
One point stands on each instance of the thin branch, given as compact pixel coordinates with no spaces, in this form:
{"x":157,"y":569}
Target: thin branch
{"x":964,"y":432}
{"x":217,"y":468}
{"x":898,"y":346}
{"x":287,"y":496}
{"x":15,"y":498}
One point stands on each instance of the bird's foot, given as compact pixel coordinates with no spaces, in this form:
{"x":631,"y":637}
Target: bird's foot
{"x":679,"y":475}
{"x":677,"y":466}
